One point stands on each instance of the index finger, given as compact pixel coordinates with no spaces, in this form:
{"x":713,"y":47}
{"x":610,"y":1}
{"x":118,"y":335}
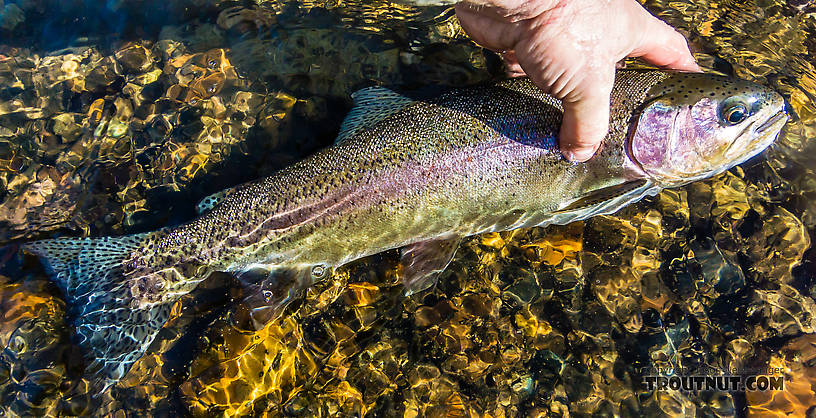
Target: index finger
{"x":585,"y":122}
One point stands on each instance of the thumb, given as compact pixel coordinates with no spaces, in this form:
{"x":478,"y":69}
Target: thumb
{"x":585,"y":123}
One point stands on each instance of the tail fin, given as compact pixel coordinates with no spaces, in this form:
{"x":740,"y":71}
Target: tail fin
{"x":118,"y":301}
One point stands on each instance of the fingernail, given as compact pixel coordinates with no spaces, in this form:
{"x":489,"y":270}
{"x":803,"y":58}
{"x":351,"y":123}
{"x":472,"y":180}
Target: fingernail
{"x":692,"y":62}
{"x":579,"y":155}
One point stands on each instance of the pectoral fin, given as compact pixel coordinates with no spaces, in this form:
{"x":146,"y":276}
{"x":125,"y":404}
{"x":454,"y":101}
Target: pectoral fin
{"x":603,"y":195}
{"x":422,"y":262}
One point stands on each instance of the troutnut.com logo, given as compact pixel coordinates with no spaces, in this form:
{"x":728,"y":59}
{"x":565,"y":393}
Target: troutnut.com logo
{"x":712,"y":380}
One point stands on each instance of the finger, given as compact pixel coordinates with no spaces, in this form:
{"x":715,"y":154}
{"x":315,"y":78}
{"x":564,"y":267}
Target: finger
{"x":586,"y":99}
{"x":586,"y":122}
{"x":486,"y":29}
{"x":664,"y":47}
{"x":511,"y":64}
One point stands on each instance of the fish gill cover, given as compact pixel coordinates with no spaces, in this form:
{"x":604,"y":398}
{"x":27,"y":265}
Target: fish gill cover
{"x":122,"y":134}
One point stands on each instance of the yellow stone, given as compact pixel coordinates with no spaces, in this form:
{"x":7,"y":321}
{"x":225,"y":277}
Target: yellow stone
{"x":69,"y":67}
{"x":532,"y":326}
{"x":362,"y":294}
{"x":492,"y":240}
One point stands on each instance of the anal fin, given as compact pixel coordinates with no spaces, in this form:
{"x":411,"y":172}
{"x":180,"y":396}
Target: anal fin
{"x":424,"y":261}
{"x":270,"y":289}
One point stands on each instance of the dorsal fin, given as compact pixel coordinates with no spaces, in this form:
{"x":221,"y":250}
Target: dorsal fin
{"x":206,"y":204}
{"x":371,"y":105}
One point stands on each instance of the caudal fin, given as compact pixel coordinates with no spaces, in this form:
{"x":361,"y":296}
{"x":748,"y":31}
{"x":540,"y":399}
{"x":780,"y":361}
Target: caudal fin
{"x":117,"y":301}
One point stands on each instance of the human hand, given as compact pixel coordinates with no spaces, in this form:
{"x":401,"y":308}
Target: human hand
{"x":569,"y":48}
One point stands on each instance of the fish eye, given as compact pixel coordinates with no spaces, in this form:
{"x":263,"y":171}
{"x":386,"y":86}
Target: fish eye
{"x":734,"y":112}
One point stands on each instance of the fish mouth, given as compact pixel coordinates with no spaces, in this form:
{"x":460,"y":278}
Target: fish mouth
{"x":758,"y":134}
{"x":764,"y":135}
{"x":780,"y":116}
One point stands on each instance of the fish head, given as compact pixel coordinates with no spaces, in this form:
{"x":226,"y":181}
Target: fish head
{"x":693,"y":126}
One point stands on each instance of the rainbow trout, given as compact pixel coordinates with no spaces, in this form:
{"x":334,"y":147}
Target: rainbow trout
{"x":418,"y":175}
